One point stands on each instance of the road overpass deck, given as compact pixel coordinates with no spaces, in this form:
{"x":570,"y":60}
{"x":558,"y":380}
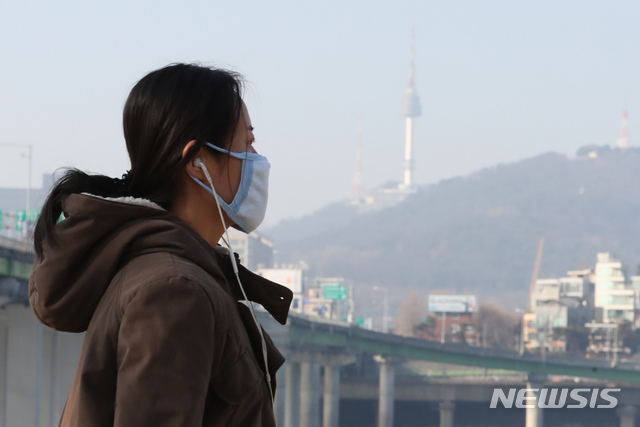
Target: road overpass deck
{"x":309,"y":332}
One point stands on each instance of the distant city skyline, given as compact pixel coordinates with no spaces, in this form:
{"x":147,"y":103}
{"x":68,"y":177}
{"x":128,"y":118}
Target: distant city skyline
{"x":498,"y":82}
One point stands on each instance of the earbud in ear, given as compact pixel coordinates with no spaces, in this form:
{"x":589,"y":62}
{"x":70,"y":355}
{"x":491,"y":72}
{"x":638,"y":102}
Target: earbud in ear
{"x":197,"y":162}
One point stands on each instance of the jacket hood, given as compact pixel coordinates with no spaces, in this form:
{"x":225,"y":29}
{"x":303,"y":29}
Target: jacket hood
{"x":99,"y":235}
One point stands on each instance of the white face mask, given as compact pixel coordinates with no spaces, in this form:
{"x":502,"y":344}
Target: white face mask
{"x":249,"y":205}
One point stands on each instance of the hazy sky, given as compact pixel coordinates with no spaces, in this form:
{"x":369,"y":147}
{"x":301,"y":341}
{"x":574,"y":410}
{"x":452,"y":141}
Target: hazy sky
{"x":498,"y":81}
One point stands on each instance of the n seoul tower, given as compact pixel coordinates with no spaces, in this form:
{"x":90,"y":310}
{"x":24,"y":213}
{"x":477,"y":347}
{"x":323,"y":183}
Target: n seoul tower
{"x":410,"y":109}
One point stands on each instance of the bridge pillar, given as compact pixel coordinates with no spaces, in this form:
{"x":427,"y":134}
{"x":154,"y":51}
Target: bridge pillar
{"x":534,"y":415}
{"x":627,"y":415}
{"x":331,"y":396}
{"x":446,"y":413}
{"x":309,"y":394}
{"x":292,"y":395}
{"x":332,"y":363}
{"x":4,"y":369}
{"x":386,"y":391}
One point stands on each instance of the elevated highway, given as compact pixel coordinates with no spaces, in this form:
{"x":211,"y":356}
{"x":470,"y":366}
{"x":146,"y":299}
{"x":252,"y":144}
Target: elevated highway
{"x":311,"y":333}
{"x":312,"y":345}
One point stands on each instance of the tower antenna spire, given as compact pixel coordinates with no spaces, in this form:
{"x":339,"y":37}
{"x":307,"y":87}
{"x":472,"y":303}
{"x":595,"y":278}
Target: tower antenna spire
{"x":412,"y":63}
{"x":623,"y":140}
{"x":357,"y":178}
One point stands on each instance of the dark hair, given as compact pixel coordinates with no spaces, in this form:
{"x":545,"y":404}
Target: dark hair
{"x":166,"y":109}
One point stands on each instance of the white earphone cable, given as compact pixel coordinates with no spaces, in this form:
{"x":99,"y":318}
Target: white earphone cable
{"x":199,"y":163}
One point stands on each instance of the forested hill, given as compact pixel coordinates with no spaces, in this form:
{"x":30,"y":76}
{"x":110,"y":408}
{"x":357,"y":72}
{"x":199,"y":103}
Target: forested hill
{"x":480,"y":233}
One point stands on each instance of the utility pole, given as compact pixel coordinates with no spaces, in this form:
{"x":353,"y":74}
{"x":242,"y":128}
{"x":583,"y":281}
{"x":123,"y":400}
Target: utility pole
{"x":522,"y":326}
{"x":615,"y":345}
{"x":385,"y":313}
{"x":484,"y":335}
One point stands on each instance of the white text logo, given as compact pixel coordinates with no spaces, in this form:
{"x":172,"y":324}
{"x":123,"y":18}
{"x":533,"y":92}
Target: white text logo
{"x":553,"y":398}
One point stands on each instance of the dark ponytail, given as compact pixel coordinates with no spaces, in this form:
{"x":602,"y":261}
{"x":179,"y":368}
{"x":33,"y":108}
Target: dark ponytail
{"x":72,"y":182}
{"x":166,"y":109}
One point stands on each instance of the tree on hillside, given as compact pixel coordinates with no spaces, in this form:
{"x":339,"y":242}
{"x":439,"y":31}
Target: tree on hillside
{"x":409,"y":315}
{"x":497,"y":324}
{"x":426,"y":329}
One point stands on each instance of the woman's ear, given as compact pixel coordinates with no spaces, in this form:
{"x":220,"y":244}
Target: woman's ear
{"x":193,"y":166}
{"x":187,"y":147}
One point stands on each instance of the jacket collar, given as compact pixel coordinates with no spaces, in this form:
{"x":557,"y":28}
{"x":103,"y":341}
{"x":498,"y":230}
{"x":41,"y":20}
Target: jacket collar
{"x":275,"y":298}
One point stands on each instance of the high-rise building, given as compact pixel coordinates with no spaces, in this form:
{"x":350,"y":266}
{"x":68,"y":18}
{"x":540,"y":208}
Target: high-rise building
{"x":612,"y":295}
{"x":557,"y":304}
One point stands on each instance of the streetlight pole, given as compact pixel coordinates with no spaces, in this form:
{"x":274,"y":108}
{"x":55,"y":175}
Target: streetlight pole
{"x":385,"y":308}
{"x":522,"y":325}
{"x":30,"y":157}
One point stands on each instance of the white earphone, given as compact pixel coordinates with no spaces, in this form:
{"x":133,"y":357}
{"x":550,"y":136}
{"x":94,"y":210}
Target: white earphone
{"x":197,"y":162}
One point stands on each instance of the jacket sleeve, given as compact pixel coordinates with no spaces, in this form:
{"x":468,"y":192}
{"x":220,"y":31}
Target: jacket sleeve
{"x":165,"y":352}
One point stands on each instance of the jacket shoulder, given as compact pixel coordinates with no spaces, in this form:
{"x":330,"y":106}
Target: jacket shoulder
{"x":157,"y":268}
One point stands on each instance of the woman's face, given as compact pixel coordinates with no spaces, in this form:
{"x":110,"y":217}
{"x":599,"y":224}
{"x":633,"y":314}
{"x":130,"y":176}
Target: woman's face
{"x":227,"y":174}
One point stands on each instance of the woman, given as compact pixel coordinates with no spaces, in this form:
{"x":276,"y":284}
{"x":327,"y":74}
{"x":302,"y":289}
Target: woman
{"x":134,"y":263}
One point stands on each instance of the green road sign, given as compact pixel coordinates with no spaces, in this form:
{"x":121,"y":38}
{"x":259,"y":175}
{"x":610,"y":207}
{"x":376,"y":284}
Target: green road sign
{"x":334,"y":292}
{"x":23,"y":216}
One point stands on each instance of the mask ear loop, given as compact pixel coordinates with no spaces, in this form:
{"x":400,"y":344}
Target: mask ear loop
{"x":200,"y":164}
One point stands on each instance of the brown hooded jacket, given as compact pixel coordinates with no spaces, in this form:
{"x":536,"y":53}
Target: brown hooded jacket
{"x":167,"y":343}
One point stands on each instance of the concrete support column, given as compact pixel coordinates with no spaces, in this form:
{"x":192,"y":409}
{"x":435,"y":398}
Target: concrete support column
{"x":292,"y":395}
{"x":386,"y":391}
{"x":4,"y":369}
{"x":446,"y":413}
{"x":331,"y":396}
{"x":309,"y":394}
{"x":534,"y":415}
{"x":627,"y":415}
{"x":303,"y":384}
